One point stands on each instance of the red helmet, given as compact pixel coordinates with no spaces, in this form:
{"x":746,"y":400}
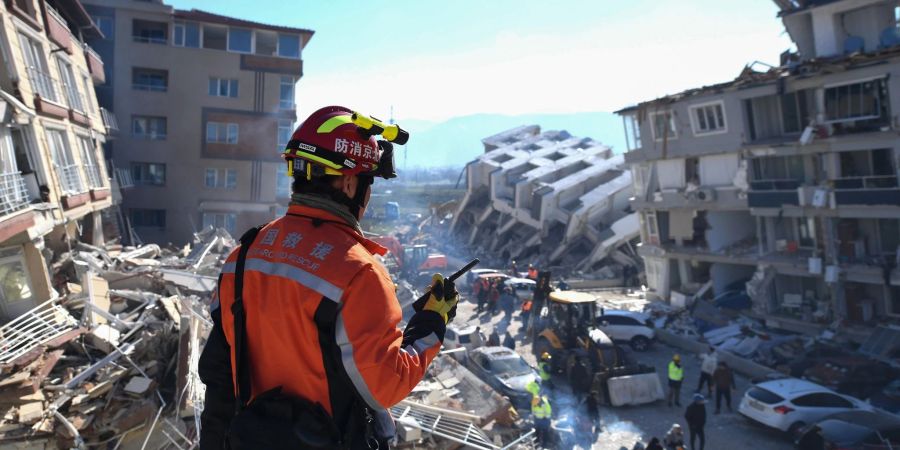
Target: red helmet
{"x":329,"y":139}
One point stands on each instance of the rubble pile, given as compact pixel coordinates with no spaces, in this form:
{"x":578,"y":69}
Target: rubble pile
{"x":113,"y":359}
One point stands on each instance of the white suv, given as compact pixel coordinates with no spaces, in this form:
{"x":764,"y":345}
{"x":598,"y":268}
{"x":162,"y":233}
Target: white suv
{"x":632,"y":327}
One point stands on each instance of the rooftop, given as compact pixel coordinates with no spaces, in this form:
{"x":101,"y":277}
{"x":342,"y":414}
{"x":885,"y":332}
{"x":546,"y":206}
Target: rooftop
{"x":203,"y":16}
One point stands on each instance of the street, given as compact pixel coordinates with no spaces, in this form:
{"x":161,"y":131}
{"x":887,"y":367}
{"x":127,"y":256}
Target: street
{"x":623,"y":426}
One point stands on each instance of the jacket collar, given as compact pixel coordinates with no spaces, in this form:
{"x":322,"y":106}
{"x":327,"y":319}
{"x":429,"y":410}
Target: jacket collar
{"x":351,"y":229}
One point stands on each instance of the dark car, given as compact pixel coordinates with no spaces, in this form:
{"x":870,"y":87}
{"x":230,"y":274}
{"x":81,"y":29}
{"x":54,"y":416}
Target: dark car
{"x":888,"y":398}
{"x":858,"y":430}
{"x":852,"y":375}
{"x":505,"y":371}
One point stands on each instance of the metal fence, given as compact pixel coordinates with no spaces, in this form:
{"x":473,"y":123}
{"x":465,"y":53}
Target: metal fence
{"x":13,"y":193}
{"x":93,"y":175}
{"x":44,"y":323}
{"x":44,"y":85}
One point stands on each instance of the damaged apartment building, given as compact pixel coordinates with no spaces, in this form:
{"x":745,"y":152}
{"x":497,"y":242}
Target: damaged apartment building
{"x":551,"y":199}
{"x":782,"y":182}
{"x":53,"y":183}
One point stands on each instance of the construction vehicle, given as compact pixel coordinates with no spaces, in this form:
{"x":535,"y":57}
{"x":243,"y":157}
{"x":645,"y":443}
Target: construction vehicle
{"x":588,"y":358}
{"x":414,"y":259}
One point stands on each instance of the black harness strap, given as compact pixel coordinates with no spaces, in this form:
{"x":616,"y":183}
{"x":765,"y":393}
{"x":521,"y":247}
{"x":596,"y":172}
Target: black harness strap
{"x":240,"y":322}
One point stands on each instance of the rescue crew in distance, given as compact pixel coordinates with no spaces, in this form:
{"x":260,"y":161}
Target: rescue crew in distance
{"x":311,"y":267}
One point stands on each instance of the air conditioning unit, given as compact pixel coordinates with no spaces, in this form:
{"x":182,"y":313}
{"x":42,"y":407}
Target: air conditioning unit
{"x":705,"y":194}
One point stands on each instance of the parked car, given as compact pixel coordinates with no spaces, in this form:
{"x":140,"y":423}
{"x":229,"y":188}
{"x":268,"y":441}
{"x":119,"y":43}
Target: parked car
{"x":632,"y":327}
{"x":505,"y":371}
{"x":465,"y":336}
{"x":790,"y":404}
{"x":888,"y":398}
{"x":852,"y":375}
{"x":857,"y":430}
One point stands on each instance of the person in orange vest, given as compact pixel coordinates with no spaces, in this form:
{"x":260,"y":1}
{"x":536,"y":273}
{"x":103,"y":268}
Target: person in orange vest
{"x":305,"y":350}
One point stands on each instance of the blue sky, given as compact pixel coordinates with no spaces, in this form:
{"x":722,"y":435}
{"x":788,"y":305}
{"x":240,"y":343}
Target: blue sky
{"x":436,"y":60}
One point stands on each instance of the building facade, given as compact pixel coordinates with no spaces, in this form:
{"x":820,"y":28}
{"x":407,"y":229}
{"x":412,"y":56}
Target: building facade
{"x":206,"y":104}
{"x":782,"y":182}
{"x":54,"y":185}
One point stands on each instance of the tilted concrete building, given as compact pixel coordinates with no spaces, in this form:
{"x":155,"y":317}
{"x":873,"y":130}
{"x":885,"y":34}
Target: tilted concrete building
{"x":786,"y":177}
{"x":548,"y":198}
{"x":207,"y":104}
{"x":54,"y":186}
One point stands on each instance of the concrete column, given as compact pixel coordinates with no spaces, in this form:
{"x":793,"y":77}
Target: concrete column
{"x":97,"y":223}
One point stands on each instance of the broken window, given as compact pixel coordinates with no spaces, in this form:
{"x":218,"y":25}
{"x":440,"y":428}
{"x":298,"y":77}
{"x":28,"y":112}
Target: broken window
{"x":663,"y":125}
{"x":148,"y":218}
{"x":150,"y":32}
{"x":215,"y":38}
{"x":15,"y":284}
{"x":632,"y":132}
{"x":778,"y":115}
{"x":861,"y":101}
{"x":708,"y":118}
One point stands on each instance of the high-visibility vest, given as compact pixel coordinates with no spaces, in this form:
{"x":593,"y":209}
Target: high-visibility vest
{"x":533,"y":387}
{"x":676,"y":373}
{"x":544,"y":369}
{"x":540,"y":408}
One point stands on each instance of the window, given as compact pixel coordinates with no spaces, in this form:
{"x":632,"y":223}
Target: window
{"x":282,"y":182}
{"x":149,"y":79}
{"x":708,"y":118}
{"x":150,"y":32}
{"x":663,"y":124}
{"x":866,"y":163}
{"x":187,"y":34}
{"x":778,"y":168}
{"x":285,"y":129}
{"x":765,"y":396}
{"x":106,"y":25}
{"x":289,"y":45}
{"x":215,"y":38}
{"x":220,"y":87}
{"x":149,"y":127}
{"x":857,"y":101}
{"x":87,"y":87}
{"x":220,"y":220}
{"x":148,"y":218}
{"x":240,"y":40}
{"x":221,"y":178}
{"x":286,"y":95}
{"x":889,"y":231}
{"x":89,"y":160}
{"x":632,"y":132}
{"x":64,"y":162}
{"x":266,"y":43}
{"x":221,"y":133}
{"x":36,"y":67}
{"x":25,"y":6}
{"x":15,"y":284}
{"x":822,"y":400}
{"x":70,"y":87}
{"x":148,"y":174}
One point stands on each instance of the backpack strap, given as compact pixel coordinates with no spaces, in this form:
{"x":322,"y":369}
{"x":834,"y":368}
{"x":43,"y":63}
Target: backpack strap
{"x":242,"y":374}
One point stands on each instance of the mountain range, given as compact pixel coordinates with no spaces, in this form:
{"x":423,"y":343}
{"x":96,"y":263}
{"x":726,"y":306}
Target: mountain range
{"x":455,"y":142}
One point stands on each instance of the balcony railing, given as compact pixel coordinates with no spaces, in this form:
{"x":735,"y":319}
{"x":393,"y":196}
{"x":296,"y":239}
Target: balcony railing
{"x":13,"y":193}
{"x":151,"y":39}
{"x":773,"y":193}
{"x":70,"y":177}
{"x":869,"y":182}
{"x":75,"y":99}
{"x":153,"y":87}
{"x":775,"y":185}
{"x":44,"y":85}
{"x":93,"y":174}
{"x":109,"y":121}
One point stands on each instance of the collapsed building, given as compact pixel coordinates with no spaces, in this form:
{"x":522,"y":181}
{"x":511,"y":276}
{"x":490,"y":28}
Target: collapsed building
{"x":782,"y":183}
{"x":549,"y":198}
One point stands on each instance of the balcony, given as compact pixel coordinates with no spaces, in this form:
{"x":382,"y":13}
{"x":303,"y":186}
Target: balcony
{"x":869,"y":190}
{"x":109,"y":121}
{"x":95,"y":65}
{"x":13,"y":193}
{"x":48,"y":97}
{"x":58,"y":30}
{"x":773,"y":193}
{"x":72,"y":186}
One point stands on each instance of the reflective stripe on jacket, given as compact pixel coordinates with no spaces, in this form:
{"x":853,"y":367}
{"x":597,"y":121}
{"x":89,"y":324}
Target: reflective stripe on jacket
{"x":298,"y":261}
{"x":544,"y":370}
{"x":540,"y":408}
{"x":676,"y":372}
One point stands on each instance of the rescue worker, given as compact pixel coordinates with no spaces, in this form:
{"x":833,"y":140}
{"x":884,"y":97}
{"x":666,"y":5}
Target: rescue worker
{"x":533,"y":387}
{"x":526,"y":311}
{"x":676,"y":376}
{"x":695,"y":415}
{"x":708,"y":363}
{"x":723,"y":378}
{"x":541,"y":412}
{"x":674,"y":439}
{"x":544,"y":368}
{"x":532,"y":272}
{"x":317,"y":314}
